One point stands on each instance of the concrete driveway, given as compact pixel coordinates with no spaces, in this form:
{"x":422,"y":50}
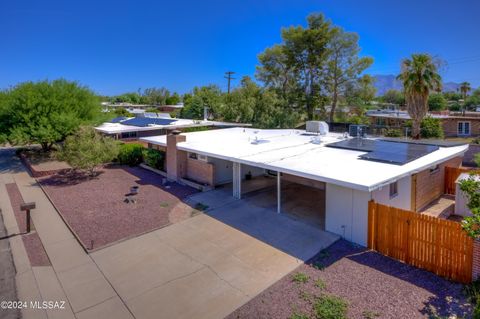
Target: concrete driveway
{"x":203,"y":267}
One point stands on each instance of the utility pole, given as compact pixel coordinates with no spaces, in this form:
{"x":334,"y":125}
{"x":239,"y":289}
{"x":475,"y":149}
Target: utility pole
{"x":228,"y":76}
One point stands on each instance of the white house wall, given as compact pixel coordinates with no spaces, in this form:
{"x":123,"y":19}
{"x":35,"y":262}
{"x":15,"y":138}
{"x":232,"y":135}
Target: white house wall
{"x":222,"y":170}
{"x":404,"y":198}
{"x":347,"y":213}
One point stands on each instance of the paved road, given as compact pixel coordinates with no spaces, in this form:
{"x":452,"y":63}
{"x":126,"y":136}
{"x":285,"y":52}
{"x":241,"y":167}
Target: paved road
{"x":8,"y":290}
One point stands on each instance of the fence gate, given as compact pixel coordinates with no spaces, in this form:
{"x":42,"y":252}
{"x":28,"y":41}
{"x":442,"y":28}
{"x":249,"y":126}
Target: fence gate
{"x":437,"y":245}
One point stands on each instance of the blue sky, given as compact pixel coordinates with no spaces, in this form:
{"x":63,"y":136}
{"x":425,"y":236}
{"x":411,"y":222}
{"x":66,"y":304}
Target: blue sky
{"x":118,"y":46}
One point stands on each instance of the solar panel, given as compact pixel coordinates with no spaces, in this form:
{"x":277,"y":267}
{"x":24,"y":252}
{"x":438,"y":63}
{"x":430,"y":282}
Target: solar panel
{"x":146,"y":121}
{"x":118,"y":119}
{"x":398,"y":153}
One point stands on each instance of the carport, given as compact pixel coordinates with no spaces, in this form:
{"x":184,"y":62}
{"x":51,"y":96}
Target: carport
{"x":285,"y":193}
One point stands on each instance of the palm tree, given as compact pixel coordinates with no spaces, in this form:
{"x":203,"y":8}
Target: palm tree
{"x":464,"y":89}
{"x":419,"y":76}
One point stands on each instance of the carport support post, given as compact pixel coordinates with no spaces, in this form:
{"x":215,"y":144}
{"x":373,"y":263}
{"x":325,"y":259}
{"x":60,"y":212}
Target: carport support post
{"x":237,"y":180}
{"x":279,"y":193}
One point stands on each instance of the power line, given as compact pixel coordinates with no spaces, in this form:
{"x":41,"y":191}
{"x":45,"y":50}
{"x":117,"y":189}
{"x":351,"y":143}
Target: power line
{"x":228,"y":76}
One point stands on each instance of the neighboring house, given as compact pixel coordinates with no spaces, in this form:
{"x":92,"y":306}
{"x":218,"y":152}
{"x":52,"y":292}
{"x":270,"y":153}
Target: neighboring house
{"x":152,"y":124}
{"x":328,"y":178}
{"x":455,"y":124}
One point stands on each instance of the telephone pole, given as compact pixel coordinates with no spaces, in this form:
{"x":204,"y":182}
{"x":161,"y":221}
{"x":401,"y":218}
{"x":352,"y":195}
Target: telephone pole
{"x":228,"y":76}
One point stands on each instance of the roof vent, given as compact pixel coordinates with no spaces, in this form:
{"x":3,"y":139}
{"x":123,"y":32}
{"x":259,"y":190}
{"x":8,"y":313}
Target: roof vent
{"x":318,"y":127}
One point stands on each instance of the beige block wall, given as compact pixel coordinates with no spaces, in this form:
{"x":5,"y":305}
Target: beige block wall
{"x":430,"y":185}
{"x":450,"y":126}
{"x":200,"y":171}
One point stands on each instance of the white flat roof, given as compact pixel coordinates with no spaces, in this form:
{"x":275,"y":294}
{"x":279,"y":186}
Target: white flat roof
{"x":115,"y":128}
{"x":292,"y":151}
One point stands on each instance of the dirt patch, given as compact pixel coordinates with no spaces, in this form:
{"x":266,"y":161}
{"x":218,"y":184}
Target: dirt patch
{"x":36,"y":252}
{"x":373,"y":285}
{"x":96,"y":210}
{"x":33,"y":245}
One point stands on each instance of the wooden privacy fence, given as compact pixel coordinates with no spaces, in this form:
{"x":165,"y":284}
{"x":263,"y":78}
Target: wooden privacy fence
{"x":451,"y":175}
{"x":437,"y":245}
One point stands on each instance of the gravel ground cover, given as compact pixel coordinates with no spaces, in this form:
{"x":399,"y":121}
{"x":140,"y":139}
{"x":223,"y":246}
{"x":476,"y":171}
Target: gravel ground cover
{"x":95,"y":207}
{"x":373,"y":285}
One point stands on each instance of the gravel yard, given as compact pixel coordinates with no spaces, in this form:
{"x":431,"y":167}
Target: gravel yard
{"x":374,"y":286}
{"x":96,"y":210}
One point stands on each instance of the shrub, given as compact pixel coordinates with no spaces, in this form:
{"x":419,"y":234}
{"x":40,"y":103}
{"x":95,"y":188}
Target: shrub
{"x":154,"y":158}
{"x":87,"y":149}
{"x":131,"y":154}
{"x":392,"y":132}
{"x":330,"y":307}
{"x":431,"y":128}
{"x":300,"y":277}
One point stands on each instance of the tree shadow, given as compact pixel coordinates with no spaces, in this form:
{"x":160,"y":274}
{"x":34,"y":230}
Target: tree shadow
{"x":145,"y":177}
{"x":69,"y":178}
{"x":449,"y":297}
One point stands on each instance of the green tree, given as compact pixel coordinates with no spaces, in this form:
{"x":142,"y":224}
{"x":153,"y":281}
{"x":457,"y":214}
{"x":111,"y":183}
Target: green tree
{"x":394,"y":97}
{"x":437,"y":102}
{"x":87,"y":149}
{"x":419,"y":76}
{"x":173,"y":99}
{"x":344,"y":65}
{"x":431,"y":128}
{"x":452,"y":96}
{"x":360,"y":92}
{"x":263,"y":107}
{"x":132,"y":97}
{"x":46,"y":112}
{"x":206,"y":96}
{"x":471,"y":189}
{"x":295,"y":67}
{"x":156,"y":96}
{"x":464,"y":89}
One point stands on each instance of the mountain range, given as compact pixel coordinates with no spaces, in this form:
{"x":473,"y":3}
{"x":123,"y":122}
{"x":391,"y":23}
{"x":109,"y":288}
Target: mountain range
{"x":385,"y":82}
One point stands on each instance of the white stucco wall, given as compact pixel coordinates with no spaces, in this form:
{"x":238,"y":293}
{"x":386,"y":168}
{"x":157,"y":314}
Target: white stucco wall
{"x":222,"y":170}
{"x":347,"y":213}
{"x":402,"y":200}
{"x":256,"y":171}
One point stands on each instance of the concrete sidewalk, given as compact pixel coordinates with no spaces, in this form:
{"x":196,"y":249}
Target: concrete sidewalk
{"x":73,"y":276}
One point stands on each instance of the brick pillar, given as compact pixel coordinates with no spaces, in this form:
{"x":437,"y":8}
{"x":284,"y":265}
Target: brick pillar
{"x":176,"y":159}
{"x":476,"y":260}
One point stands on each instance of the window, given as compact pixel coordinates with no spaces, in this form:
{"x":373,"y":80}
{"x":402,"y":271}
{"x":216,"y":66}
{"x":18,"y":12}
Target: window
{"x":129,"y":134}
{"x":393,"y":189}
{"x":192,"y":155}
{"x":463,"y":128}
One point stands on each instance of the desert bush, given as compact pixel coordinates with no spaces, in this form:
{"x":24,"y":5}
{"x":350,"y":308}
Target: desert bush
{"x":330,"y":307}
{"x":154,"y":158}
{"x":131,"y":154}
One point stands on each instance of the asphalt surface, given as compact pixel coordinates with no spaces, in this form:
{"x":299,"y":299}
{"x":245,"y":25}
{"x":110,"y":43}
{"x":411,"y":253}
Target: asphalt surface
{"x":8,"y":163}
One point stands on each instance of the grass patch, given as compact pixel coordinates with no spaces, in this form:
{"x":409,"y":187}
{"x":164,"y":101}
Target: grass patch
{"x":300,"y":278}
{"x":164,"y":204}
{"x":330,"y":307}
{"x":368,"y":314}
{"x":319,"y":283}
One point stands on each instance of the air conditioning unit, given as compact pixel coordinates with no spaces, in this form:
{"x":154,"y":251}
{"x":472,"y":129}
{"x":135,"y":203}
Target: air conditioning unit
{"x":318,"y":127}
{"x":356,"y":130}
